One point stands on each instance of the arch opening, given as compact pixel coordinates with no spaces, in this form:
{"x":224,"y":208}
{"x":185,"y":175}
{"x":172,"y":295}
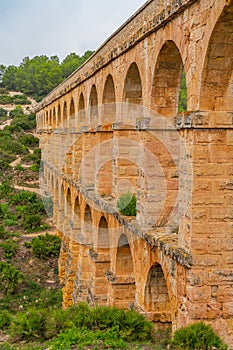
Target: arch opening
{"x":64,"y":111}
{"x":109,"y":101}
{"x":72,"y":109}
{"x":54,"y":118}
{"x":93,"y":104}
{"x":217,"y":76}
{"x":124,"y":259}
{"x":156,"y":295}
{"x":68,"y":200}
{"x":133,"y":86}
{"x":103,"y":235}
{"x":81,"y":107}
{"x":166,"y":80}
{"x":59,"y":115}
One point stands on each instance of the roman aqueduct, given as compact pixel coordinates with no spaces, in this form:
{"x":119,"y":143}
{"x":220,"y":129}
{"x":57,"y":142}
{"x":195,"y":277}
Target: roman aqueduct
{"x":113,"y":126}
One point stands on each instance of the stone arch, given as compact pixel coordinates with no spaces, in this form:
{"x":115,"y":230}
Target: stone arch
{"x":81,"y":107}
{"x":217,"y":75}
{"x":109,"y":99}
{"x":50,"y":118}
{"x":46,"y":119}
{"x":133,"y":85}
{"x":72,"y":109}
{"x":88,"y":226}
{"x":93,"y":104}
{"x":124,"y":286}
{"x":124,"y":258}
{"x":77,"y":213}
{"x":156,"y":296}
{"x":77,"y":206}
{"x":103,"y":235}
{"x":59,"y":115}
{"x":64,"y":111}
{"x":68,"y":197}
{"x":166,"y":80}
{"x":62,"y":197}
{"x":54,"y":118}
{"x":102,"y":263}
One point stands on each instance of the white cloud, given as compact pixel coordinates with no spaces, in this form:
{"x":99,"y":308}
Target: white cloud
{"x":36,"y":27}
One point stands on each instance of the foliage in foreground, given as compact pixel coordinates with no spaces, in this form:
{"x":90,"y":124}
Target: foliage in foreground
{"x":80,"y":325}
{"x":197,"y":336}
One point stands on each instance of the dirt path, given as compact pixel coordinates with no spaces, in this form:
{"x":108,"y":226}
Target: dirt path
{"x":30,"y":189}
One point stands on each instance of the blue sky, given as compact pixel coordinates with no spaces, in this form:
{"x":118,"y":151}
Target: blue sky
{"x":58,"y":27}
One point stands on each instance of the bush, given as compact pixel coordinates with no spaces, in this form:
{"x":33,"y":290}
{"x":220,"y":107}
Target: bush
{"x":3,"y":113}
{"x":3,"y":233}
{"x":45,"y":247}
{"x":10,"y":248}
{"x":5,"y":99}
{"x":20,"y":99}
{"x":6,"y":189}
{"x":197,"y":336}
{"x":24,"y":198}
{"x":29,"y":324}
{"x":31,"y":221}
{"x":5,"y":319}
{"x":29,"y":140}
{"x":10,"y":278}
{"x":17,"y":112}
{"x":127,"y":204}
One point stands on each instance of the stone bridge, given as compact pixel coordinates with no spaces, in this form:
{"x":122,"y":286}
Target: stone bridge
{"x":113,"y":127}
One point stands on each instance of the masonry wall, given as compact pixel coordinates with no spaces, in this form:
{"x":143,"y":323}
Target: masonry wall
{"x":172,"y":262}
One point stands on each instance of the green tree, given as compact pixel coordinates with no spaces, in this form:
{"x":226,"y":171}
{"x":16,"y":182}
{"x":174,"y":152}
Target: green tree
{"x":73,"y":61}
{"x":9,"y":78}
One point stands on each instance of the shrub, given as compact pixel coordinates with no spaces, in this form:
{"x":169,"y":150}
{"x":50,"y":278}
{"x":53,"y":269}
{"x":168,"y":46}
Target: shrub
{"x":4,"y":210}
{"x":10,"y":248}
{"x":5,"y":319}
{"x":197,"y":336}
{"x":34,"y":168}
{"x":20,"y":99}
{"x":3,"y":233}
{"x":17,"y":112}
{"x":5,"y":188}
{"x":127,"y":204}
{"x":24,"y":198}
{"x":3,"y":113}
{"x":28,"y":325}
{"x":5,"y":99}
{"x":45,"y":247}
{"x":31,"y":221}
{"x":10,"y":278}
{"x":19,"y":167}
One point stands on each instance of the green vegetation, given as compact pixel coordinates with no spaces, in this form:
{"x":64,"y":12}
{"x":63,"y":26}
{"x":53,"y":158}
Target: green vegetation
{"x":36,"y":77}
{"x":3,"y":115}
{"x":22,"y":209}
{"x":16,"y":99}
{"x":15,"y":142}
{"x":197,"y":336}
{"x":45,"y":247}
{"x":10,"y":278}
{"x":127,"y":204}
{"x":182,"y":106}
{"x":82,"y":326}
{"x":10,"y":248}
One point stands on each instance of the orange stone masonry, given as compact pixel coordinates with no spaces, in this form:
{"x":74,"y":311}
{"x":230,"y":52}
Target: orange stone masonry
{"x":101,"y":136}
